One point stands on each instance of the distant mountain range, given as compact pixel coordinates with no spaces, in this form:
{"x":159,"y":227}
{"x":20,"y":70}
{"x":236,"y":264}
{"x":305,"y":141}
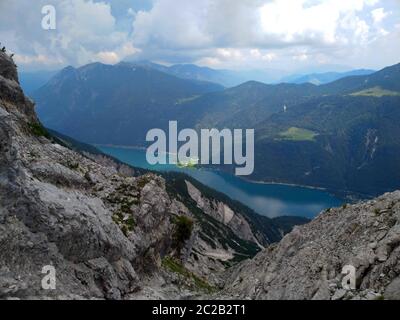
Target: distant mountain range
{"x":343,"y":136}
{"x":326,"y":77}
{"x":32,"y":81}
{"x":227,"y":78}
{"x":232,"y":78}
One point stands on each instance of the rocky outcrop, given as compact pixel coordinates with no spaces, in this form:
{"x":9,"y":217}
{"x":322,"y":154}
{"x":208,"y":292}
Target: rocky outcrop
{"x":308,"y":262}
{"x":223,"y":213}
{"x":95,"y":225}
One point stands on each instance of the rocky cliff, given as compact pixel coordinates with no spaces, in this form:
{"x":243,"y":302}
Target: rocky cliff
{"x":308,"y":262}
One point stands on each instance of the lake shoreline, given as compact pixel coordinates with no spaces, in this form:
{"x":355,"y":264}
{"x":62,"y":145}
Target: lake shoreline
{"x":344,"y":195}
{"x":119,"y":146}
{"x":341,"y":194}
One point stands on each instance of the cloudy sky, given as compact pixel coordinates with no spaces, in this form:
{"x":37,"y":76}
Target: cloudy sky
{"x":253,"y":34}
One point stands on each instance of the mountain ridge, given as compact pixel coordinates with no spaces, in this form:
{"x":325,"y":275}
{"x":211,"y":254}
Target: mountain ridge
{"x":325,"y":77}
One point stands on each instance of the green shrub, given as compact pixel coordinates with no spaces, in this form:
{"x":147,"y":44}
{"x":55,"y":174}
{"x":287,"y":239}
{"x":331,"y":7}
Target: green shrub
{"x":38,"y":130}
{"x":175,"y":266}
{"x":126,"y":225}
{"x":183,"y":230}
{"x":143,"y":181}
{"x":73,"y":165}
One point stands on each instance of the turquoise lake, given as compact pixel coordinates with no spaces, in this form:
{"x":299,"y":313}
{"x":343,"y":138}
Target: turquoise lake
{"x":271,"y":200}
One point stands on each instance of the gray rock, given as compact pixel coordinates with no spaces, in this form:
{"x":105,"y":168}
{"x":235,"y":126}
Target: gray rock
{"x":339,"y":295}
{"x":320,"y":250}
{"x":392,"y":291}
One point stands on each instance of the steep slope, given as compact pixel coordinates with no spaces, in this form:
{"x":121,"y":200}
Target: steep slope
{"x":108,"y":231}
{"x":338,"y":142}
{"x":308,"y":262}
{"x":242,"y":106}
{"x":108,"y":104}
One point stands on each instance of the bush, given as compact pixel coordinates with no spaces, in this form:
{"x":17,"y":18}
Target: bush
{"x":183,"y":230}
{"x":198,"y":283}
{"x":38,"y":130}
{"x":126,"y":225}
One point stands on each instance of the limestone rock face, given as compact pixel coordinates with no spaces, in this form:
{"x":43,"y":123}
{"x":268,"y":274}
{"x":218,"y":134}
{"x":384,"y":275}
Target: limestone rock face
{"x":99,"y":227}
{"x":223,"y":213}
{"x":308,"y":262}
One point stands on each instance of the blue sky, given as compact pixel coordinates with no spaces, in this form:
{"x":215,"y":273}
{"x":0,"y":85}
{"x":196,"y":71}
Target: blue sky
{"x":287,"y":35}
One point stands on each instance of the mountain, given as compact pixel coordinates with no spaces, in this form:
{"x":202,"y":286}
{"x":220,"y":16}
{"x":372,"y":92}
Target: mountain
{"x":191,"y":71}
{"x":89,"y":103}
{"x":252,"y":102}
{"x":343,"y":143}
{"x":109,"y":230}
{"x":242,"y":106}
{"x":326,"y":77}
{"x":308,"y":263}
{"x":227,"y":78}
{"x":341,"y":136}
{"x":32,"y":81}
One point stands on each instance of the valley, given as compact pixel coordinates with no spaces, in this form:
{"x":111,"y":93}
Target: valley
{"x":340,"y":136}
{"x":271,"y":200}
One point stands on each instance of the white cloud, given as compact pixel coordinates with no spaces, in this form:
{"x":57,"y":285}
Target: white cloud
{"x":172,"y":24}
{"x":221,"y":33}
{"x":199,"y":24}
{"x":379,"y":14}
{"x":301,"y":56}
{"x":257,"y":54}
{"x":372,"y":2}
{"x":86,"y":32}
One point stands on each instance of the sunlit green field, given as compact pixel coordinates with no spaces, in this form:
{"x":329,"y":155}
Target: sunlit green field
{"x":298,"y":134}
{"x":376,"y":92}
